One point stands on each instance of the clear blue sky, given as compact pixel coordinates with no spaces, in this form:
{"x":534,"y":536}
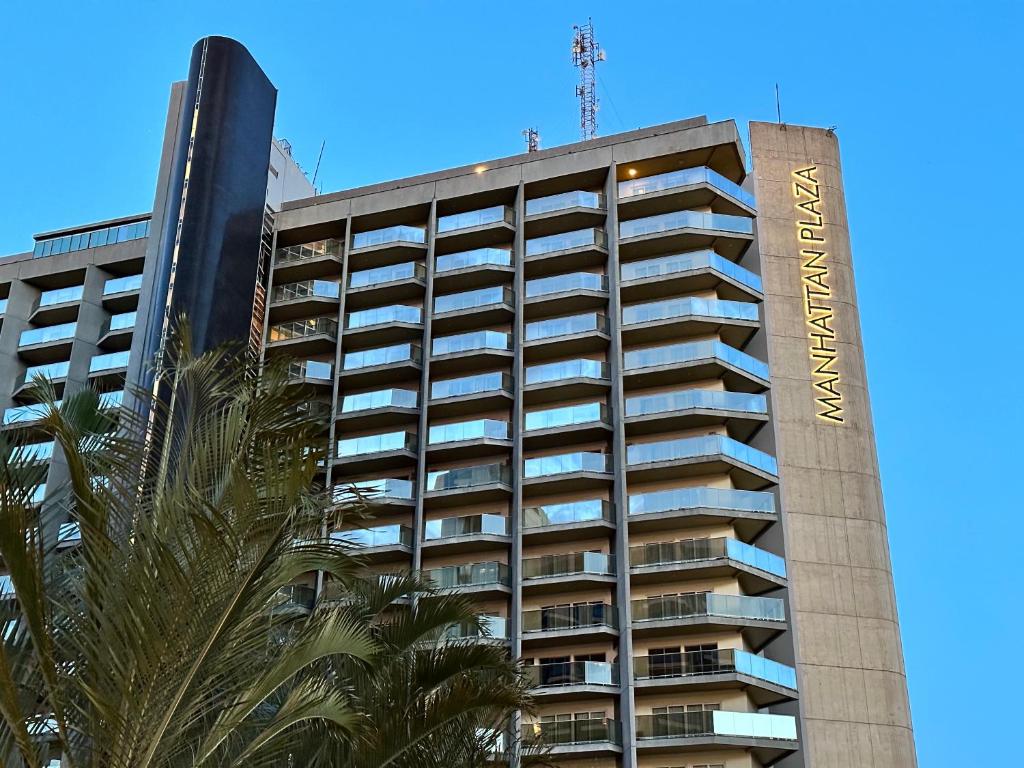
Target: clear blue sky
{"x":926,"y":98}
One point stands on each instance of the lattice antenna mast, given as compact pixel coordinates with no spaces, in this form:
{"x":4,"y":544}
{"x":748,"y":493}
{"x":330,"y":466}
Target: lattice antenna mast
{"x":532,"y":139}
{"x":585,"y":55}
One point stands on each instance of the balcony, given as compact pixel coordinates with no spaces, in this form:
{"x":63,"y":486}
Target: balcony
{"x":686,"y":188}
{"x":566,"y":379}
{"x":685,"y":231}
{"x":766,"y":682}
{"x":582,"y":570}
{"x":733,"y":321}
{"x":570,"y":423}
{"x":27,"y":415}
{"x":493,"y":629}
{"x":386,"y":492}
{"x":468,"y":351}
{"x":121,"y":294}
{"x":767,"y":737}
{"x":370,"y":453}
{"x":689,"y":272}
{"x":759,"y":619}
{"x":41,"y":345}
{"x":58,"y":305}
{"x":467,"y":438}
{"x":473,"y":267}
{"x":566,"y":472}
{"x":757,"y":570}
{"x":567,"y":210}
{"x":32,"y":453}
{"x":572,"y":623}
{"x":479,"y":579}
{"x":303,"y":337}
{"x":387,"y":244}
{"x":110,"y":367}
{"x":384,"y":325}
{"x":382,"y":543}
{"x":303,"y":299}
{"x":312,"y":372}
{"x":484,"y":306}
{"x":552,"y":522}
{"x":749,"y":468}
{"x":694,"y":361}
{"x":391,"y":283}
{"x":474,"y":229}
{"x":297,"y":597}
{"x":379,"y":408}
{"x":3,"y":307}
{"x":750,"y":512}
{"x":554,"y":254}
{"x":575,"y":737}
{"x":570,"y":335}
{"x":117,"y":331}
{"x":477,"y":393}
{"x":468,"y":485}
{"x":366,"y":367}
{"x":574,"y":291}
{"x":741,"y":413}
{"x":573,"y":679}
{"x":55,"y":373}
{"x":466,"y":533}
{"x":308,"y":260}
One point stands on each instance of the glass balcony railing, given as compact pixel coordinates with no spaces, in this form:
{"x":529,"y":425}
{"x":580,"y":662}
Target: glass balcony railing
{"x":696,"y":447}
{"x":707,"y":549}
{"x":120,"y":233}
{"x":466,"y":525}
{"x":307,"y":289}
{"x":470,"y":219}
{"x":383,"y":398}
{"x":112,"y":399}
{"x":482,"y":297}
{"x":568,"y":732}
{"x":566,"y":416}
{"x":468,"y":477}
{"x":478,"y":429}
{"x":369,"y":358}
{"x":26,"y":414}
{"x":51,"y":371}
{"x":298,"y":596}
{"x":582,"y":511}
{"x":50,"y":333}
{"x":473,"y":341}
{"x":32,"y":452}
{"x":381,"y":443}
{"x":718,"y":309}
{"x":689,"y":399}
{"x":564,"y":201}
{"x":684,"y":178}
{"x":666,"y":222}
{"x":713,"y":662}
{"x":570,"y":617}
{"x":690,"y":352}
{"x":3,"y":307}
{"x":583,"y":461}
{"x":581,"y":238}
{"x":566,"y":326}
{"x":566,"y":369}
{"x":469,"y":575}
{"x":308,"y":251}
{"x":478,"y":257}
{"x":378,"y":536}
{"x":111,"y":362}
{"x":495,"y":627}
{"x":711,"y":604}
{"x":572,"y":673}
{"x":678,"y":725}
{"x":389,"y":274}
{"x":686,"y":262}
{"x":299,"y":329}
{"x":122,"y":321}
{"x":480,"y":383}
{"x":376,"y":491}
{"x":394,"y":313}
{"x":679,"y":499}
{"x":399,"y":234}
{"x":310,"y":369}
{"x":122,"y":285}
{"x":59,"y":296}
{"x":573,"y":281}
{"x":569,"y":564}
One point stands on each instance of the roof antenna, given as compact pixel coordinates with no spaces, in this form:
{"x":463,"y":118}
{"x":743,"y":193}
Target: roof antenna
{"x":778,"y":103}
{"x":532,"y":139}
{"x":318,"y":159}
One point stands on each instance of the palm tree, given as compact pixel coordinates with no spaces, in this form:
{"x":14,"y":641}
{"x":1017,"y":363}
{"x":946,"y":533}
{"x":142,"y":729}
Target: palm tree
{"x":164,"y":637}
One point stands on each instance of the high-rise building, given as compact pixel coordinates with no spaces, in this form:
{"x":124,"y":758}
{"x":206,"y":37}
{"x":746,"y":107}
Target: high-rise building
{"x":615,"y":390}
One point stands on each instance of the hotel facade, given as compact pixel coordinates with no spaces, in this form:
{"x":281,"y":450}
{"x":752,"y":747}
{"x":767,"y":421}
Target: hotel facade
{"x":614,"y":390}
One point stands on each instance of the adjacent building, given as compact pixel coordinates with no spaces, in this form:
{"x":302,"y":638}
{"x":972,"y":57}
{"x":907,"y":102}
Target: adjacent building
{"x":614,"y":390}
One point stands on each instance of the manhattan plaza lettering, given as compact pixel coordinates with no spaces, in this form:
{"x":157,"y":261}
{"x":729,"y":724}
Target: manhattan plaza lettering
{"x":817,"y":295}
